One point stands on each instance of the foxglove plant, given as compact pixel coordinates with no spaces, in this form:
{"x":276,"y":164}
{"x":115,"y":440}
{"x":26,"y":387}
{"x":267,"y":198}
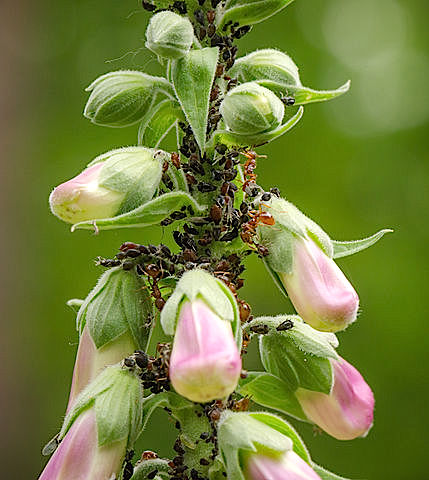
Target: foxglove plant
{"x":166,"y":327}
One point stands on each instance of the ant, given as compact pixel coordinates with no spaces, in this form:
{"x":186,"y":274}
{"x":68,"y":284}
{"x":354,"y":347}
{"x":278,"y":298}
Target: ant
{"x":248,"y":229}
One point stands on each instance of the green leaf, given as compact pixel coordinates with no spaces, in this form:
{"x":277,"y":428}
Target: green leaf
{"x":170,"y":400}
{"x":193,"y":77}
{"x":158,"y":122}
{"x":325,"y":475}
{"x":75,"y":304}
{"x":151,"y":213}
{"x":282,"y":358}
{"x":235,"y":139}
{"x":343,"y":249}
{"x":271,"y":392}
{"x":248,"y":12}
{"x":286,"y":429}
{"x":304,"y":95}
{"x":117,"y":304}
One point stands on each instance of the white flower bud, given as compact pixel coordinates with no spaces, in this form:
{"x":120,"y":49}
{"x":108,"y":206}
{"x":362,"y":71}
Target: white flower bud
{"x":169,"y":35}
{"x":250,"y":109}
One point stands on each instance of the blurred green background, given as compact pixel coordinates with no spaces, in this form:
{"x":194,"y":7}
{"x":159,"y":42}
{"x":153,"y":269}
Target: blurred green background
{"x":355,"y":165}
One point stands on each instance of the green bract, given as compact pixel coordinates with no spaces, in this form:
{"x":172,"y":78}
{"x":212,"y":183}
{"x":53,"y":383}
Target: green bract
{"x":169,"y":35}
{"x":118,"y":304}
{"x":247,"y":12}
{"x":250,"y":109}
{"x":117,"y":396}
{"x":122,"y":98}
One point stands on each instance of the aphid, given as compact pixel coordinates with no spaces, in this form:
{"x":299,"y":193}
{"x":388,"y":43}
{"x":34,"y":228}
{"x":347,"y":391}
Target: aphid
{"x":244,"y":309}
{"x":190,"y":229}
{"x":175,"y":159}
{"x":228,"y":236}
{"x":288,"y":101}
{"x":129,"y":362}
{"x":127,"y":245}
{"x":200,"y":17}
{"x":141,"y":359}
{"x":216,"y":213}
{"x":263,"y":251}
{"x":177,"y":215}
{"x":211,"y":15}
{"x":148,"y":6}
{"x":180,"y":6}
{"x":286,"y":325}
{"x":211,"y":30}
{"x":260,"y":329}
{"x":265,"y":197}
{"x":202,"y":34}
{"x":167,"y":221}
{"x":204,"y":187}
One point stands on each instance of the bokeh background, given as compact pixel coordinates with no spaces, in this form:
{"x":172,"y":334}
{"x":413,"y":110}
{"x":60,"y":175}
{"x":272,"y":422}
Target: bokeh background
{"x":355,"y":165}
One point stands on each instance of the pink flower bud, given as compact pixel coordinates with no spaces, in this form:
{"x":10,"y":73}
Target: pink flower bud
{"x":82,"y":198}
{"x":348,"y":411}
{"x":90,"y":361}
{"x":318,"y":289}
{"x":205,"y":363}
{"x":289,"y":466}
{"x":79,"y":457}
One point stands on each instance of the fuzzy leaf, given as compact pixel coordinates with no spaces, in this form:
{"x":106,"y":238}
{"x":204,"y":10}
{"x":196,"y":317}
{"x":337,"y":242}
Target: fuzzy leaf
{"x":193,"y":77}
{"x":248,"y":12}
{"x":344,"y":249}
{"x":304,"y":95}
{"x":150,"y":213}
{"x":158,"y":122}
{"x":271,"y":392}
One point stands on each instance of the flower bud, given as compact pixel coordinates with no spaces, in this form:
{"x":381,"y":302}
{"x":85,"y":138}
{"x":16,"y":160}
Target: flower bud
{"x":79,"y":456}
{"x":95,"y":437}
{"x":205,"y":363}
{"x":267,"y":64}
{"x":122,"y":98}
{"x":109,"y":331}
{"x":289,"y":466}
{"x":347,"y":412}
{"x":114,"y":183}
{"x":250,"y":109}
{"x":318,"y":289}
{"x":169,"y":35}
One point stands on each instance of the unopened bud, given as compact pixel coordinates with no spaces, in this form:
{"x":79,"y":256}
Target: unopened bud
{"x":169,"y":35}
{"x":250,"y":109}
{"x":122,"y":98}
{"x":267,"y":64}
{"x":348,"y":411}
{"x":318,"y":289}
{"x":288,"y":466}
{"x":205,"y":363}
{"x":114,"y":183}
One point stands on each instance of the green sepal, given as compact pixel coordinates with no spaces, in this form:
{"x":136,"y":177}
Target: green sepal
{"x":247,"y":12}
{"x":240,"y":432}
{"x":300,"y":358}
{"x":196,"y":284}
{"x":135,"y":171}
{"x":122,"y":98}
{"x":116,"y":395}
{"x":306,"y":338}
{"x":193,"y":77}
{"x":280,"y":425}
{"x":235,"y":139}
{"x":117,"y":304}
{"x":271,"y":392}
{"x":158,"y":121}
{"x":151,"y":213}
{"x":290,"y":223}
{"x":344,"y":249}
{"x":146,"y":467}
{"x":325,"y":474}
